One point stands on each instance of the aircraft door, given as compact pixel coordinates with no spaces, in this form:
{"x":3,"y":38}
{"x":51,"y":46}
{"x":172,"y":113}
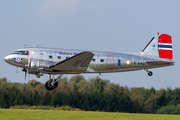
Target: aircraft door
{"x":110,"y":62}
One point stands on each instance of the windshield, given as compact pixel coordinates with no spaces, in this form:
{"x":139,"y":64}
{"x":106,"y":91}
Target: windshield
{"x":21,"y":52}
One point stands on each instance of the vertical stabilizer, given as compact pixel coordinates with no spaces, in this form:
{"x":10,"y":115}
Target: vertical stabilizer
{"x":160,"y":46}
{"x":151,"y":48}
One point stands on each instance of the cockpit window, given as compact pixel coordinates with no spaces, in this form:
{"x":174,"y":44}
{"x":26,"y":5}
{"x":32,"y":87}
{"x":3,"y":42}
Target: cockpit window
{"x":16,"y":52}
{"x":21,"y":52}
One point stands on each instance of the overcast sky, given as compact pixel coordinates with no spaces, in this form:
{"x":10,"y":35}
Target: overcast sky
{"x":103,"y":25}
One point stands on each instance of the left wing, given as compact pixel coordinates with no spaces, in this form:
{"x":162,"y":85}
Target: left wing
{"x":78,"y":62}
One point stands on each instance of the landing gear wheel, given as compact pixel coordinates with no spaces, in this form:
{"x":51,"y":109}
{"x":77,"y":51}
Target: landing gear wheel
{"x":46,"y":86}
{"x":150,"y":73}
{"x":50,"y":86}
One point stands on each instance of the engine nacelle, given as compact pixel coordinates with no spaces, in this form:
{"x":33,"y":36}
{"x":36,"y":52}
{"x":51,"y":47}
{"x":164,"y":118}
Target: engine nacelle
{"x":35,"y":64}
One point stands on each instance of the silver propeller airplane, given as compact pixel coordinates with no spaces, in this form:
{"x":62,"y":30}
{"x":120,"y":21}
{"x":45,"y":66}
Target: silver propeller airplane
{"x":39,"y":61}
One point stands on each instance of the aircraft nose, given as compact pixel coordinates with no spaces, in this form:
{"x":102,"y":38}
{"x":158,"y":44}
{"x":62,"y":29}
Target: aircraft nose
{"x":6,"y":58}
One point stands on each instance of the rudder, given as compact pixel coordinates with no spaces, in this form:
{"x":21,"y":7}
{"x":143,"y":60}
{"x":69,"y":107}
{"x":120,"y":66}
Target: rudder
{"x":165,"y":46}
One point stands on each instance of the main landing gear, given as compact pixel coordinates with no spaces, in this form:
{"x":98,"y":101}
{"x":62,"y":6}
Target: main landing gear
{"x":149,"y":72}
{"x":52,"y":83}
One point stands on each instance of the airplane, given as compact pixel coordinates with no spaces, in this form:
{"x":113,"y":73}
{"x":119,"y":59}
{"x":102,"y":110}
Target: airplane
{"x":39,"y":60}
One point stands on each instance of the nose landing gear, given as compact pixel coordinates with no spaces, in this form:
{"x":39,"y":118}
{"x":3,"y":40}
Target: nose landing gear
{"x":149,"y":72}
{"x":52,"y":83}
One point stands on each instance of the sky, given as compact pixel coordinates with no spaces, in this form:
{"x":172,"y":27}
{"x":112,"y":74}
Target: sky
{"x":103,"y":25}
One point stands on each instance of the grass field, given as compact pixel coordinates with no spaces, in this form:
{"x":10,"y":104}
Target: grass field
{"x":24,"y":114}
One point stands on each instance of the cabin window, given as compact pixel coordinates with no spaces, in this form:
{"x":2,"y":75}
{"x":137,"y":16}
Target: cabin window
{"x":59,"y":57}
{"x":50,"y":56}
{"x":41,"y":53}
{"x":94,"y":60}
{"x":67,"y":57}
{"x":101,"y":60}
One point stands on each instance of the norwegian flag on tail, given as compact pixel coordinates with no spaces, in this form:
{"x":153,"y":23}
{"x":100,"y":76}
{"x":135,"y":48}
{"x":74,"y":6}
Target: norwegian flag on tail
{"x":165,"y":46}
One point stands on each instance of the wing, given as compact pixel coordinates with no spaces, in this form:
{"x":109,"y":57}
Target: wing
{"x":76,"y":63}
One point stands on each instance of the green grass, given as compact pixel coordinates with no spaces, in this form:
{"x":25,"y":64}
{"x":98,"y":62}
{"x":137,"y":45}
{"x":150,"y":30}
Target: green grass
{"x":25,"y":114}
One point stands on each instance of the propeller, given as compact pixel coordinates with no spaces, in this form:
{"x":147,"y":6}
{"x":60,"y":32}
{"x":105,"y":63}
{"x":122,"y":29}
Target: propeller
{"x":17,"y":70}
{"x":24,"y":70}
{"x":25,"y":74}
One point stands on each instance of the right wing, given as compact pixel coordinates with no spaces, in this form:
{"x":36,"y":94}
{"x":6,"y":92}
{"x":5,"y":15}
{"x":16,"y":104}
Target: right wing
{"x":78,"y":62}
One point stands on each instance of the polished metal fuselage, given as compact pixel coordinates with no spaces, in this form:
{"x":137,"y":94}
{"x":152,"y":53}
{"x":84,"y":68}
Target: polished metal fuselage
{"x":39,"y":59}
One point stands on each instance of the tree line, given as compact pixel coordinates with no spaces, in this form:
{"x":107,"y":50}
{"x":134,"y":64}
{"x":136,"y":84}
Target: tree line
{"x":94,"y":94}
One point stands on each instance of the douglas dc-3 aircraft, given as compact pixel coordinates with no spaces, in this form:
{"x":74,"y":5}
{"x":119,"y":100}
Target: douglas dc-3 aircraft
{"x":39,"y":61}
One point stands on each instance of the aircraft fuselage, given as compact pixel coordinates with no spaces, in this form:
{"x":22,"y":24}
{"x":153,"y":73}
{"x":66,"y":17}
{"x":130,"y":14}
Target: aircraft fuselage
{"x":102,"y":62}
{"x":38,"y":61}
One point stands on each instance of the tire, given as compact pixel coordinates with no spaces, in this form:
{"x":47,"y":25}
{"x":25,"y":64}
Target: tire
{"x":150,"y":73}
{"x":49,"y":86}
{"x":55,"y":85}
{"x":46,"y":86}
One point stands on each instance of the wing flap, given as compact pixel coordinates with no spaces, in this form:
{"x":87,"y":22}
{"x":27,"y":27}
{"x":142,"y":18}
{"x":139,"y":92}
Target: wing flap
{"x":78,"y":62}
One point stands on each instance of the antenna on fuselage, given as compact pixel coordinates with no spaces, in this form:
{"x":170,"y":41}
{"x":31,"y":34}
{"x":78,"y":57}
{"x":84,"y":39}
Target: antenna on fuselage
{"x":37,"y":45}
{"x":25,"y":45}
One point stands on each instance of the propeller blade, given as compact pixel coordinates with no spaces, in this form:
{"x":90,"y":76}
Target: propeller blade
{"x":25,"y":74}
{"x":17,"y":70}
{"x":24,"y":70}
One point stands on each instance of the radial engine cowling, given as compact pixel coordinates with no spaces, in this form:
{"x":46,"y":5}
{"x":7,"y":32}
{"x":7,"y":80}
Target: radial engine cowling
{"x":37,"y":64}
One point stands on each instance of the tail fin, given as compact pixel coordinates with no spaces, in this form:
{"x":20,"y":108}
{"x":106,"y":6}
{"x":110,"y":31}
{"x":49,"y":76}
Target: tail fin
{"x":160,"y":46}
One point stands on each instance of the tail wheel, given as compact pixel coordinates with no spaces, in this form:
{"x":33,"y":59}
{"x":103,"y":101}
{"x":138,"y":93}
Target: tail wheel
{"x":150,"y":73}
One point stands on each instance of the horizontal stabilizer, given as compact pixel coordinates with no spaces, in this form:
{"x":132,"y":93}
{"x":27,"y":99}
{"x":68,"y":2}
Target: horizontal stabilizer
{"x":160,"y":63}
